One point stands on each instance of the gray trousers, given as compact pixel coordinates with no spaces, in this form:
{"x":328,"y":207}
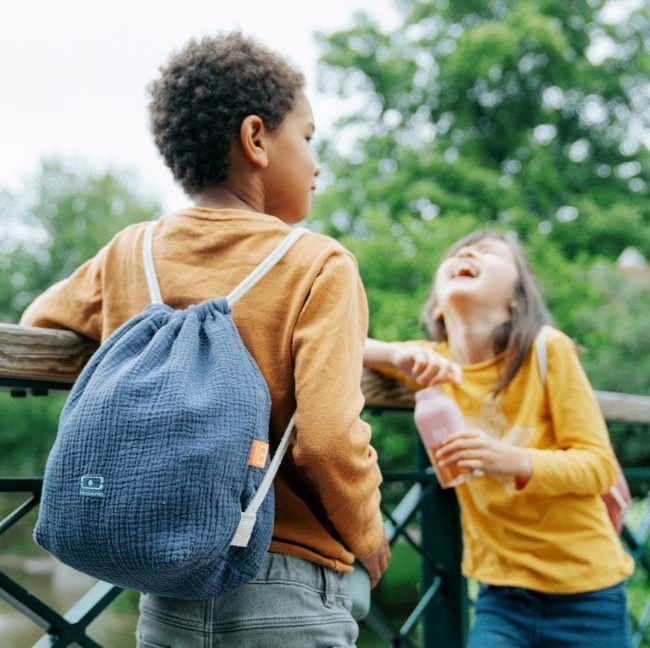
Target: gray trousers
{"x":292,"y":604}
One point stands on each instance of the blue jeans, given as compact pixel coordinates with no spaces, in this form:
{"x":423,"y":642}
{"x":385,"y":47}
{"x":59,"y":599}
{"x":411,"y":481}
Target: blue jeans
{"x":513,"y":617}
{"x":292,"y":604}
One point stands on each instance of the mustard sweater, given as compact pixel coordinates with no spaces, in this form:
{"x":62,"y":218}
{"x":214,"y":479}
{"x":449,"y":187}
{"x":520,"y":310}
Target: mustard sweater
{"x":552,"y":535}
{"x":304,"y":324}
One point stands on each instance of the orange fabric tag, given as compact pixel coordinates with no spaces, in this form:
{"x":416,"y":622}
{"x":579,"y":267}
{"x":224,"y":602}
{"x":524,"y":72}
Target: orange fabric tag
{"x":259,"y":452}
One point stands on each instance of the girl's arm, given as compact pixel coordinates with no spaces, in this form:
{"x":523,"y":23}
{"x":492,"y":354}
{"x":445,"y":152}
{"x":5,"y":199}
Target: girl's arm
{"x":583,"y":461}
{"x":425,"y":365}
{"x":472,"y":449}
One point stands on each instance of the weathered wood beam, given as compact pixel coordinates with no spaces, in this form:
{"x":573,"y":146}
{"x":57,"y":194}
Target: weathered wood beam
{"x":628,"y":408}
{"x":44,"y":354}
{"x":388,"y":392}
{"x":381,"y":391}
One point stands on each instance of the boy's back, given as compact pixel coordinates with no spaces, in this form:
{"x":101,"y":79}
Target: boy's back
{"x":298,"y":316}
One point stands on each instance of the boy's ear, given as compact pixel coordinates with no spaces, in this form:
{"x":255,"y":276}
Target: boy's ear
{"x":437,"y":313}
{"x":252,"y":134}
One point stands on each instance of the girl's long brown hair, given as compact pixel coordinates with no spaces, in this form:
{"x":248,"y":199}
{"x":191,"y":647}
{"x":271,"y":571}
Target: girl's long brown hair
{"x":515,"y":337}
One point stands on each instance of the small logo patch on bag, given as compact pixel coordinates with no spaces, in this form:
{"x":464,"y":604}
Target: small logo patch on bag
{"x":92,"y":486}
{"x":259,"y":453}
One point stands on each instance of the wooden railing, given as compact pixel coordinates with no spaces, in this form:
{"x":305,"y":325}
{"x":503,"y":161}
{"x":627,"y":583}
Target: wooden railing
{"x":41,"y":361}
{"x":50,"y":357}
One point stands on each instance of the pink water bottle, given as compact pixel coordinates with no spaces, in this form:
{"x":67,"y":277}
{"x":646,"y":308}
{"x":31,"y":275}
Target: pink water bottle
{"x":437,"y":416}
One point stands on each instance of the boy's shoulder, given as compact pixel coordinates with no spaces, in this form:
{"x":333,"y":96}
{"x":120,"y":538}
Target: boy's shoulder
{"x":322,"y":244}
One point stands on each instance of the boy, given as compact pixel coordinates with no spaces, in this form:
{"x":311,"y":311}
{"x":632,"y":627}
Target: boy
{"x":232,"y":122}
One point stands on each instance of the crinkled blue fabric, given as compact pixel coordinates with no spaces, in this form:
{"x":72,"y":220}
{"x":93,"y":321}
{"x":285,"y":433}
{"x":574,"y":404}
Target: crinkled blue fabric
{"x":149,"y":474}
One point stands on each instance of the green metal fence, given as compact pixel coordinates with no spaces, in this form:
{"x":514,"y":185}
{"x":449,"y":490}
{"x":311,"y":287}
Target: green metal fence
{"x":426,"y":519}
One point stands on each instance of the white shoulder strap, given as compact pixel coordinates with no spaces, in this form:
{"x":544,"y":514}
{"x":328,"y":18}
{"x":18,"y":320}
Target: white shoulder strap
{"x":241,"y":289}
{"x":247,"y":521}
{"x":248,"y":517}
{"x":542,"y":354}
{"x":149,"y":268}
{"x":265,"y":266}
{"x":540,"y":348}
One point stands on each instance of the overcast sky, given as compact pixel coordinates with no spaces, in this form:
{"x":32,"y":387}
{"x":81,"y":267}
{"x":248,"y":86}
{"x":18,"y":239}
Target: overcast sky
{"x":73,"y":73}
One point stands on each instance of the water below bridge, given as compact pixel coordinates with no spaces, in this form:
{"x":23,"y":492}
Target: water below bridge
{"x":60,"y":587}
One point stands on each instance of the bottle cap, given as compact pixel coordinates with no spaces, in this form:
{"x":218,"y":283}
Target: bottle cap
{"x":427,"y":392}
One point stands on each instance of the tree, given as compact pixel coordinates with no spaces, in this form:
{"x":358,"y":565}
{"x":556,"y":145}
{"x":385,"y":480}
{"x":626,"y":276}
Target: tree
{"x":63,"y":218}
{"x":616,"y":323}
{"x":537,"y":110}
{"x":524,"y":117}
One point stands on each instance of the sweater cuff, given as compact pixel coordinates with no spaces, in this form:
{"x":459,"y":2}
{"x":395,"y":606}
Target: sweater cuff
{"x":536,"y":483}
{"x":380,"y":532}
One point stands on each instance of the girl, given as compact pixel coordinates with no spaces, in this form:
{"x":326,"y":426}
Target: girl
{"x":536,"y":532}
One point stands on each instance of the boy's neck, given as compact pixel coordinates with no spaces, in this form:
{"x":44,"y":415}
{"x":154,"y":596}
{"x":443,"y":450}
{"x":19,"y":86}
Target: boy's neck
{"x":224,"y":198}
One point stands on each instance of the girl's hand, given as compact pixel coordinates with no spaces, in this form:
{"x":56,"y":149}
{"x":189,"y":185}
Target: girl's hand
{"x":475,"y":450}
{"x":426,"y":365}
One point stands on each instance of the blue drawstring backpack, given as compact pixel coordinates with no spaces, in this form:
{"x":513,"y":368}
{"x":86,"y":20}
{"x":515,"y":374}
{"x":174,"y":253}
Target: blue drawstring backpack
{"x":159,"y":479}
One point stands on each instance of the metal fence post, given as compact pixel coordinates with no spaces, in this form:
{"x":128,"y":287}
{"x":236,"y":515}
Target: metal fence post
{"x":446,"y":620}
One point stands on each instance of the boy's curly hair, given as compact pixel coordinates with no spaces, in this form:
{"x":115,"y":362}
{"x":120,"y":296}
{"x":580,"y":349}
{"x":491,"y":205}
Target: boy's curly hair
{"x":205,"y":92}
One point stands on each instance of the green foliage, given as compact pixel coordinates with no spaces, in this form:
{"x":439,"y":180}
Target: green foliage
{"x":497,"y":115}
{"x":617,"y":325}
{"x":65,"y":216}
{"x":498,"y":110}
{"x":28,"y":429}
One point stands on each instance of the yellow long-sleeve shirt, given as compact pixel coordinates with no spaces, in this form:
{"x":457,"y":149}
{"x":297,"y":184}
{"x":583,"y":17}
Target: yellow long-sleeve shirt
{"x":304,"y":324}
{"x":553,"y":535}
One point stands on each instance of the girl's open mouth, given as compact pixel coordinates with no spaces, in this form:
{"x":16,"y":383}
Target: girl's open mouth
{"x":464,"y":269}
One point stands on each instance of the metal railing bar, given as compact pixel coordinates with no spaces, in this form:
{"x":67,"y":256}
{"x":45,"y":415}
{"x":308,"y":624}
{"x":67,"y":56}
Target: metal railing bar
{"x":63,"y":630}
{"x":407,"y":507}
{"x":381,"y":624}
{"x":403,"y":512}
{"x":637,"y":474}
{"x":422,"y":476}
{"x":33,"y":608}
{"x":23,"y":386}
{"x":413,"y":543}
{"x":421,"y":606}
{"x":417,"y":547}
{"x":19,"y":513}
{"x":56,"y":641}
{"x":21,"y":485}
{"x":90,"y":606}
{"x":636,"y":540}
{"x":642,"y":625}
{"x":643,"y":527}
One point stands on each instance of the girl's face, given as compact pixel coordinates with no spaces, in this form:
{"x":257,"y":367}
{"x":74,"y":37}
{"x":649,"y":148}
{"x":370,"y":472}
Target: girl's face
{"x":482,"y":273}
